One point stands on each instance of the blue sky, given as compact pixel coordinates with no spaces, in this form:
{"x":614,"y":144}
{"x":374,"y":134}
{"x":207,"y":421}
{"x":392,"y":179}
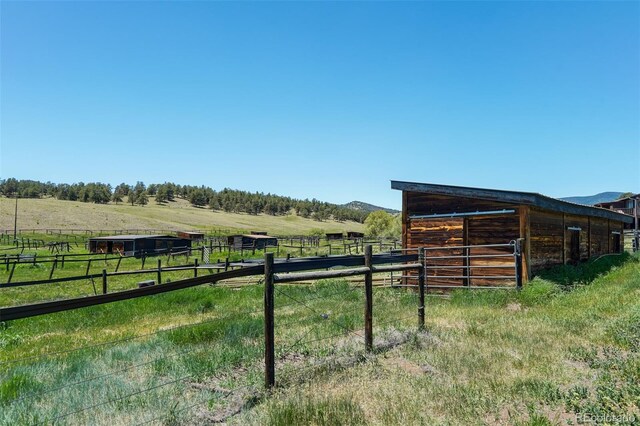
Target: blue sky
{"x":324,"y":100}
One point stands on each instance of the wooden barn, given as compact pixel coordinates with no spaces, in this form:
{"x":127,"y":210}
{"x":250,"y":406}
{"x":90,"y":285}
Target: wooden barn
{"x":352,"y":235}
{"x":552,"y":232}
{"x":253,"y":241}
{"x":137,"y":245}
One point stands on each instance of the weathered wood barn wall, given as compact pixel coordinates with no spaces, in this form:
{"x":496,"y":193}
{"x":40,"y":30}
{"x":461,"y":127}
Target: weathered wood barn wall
{"x":553,"y":231}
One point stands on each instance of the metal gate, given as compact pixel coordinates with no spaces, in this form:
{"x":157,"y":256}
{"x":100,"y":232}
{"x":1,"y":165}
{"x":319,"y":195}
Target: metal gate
{"x":488,"y":266}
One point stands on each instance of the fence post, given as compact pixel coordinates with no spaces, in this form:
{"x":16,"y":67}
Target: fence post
{"x":269,"y":347}
{"x":518,"y":259}
{"x":118,"y":264}
{"x":368,"y":304}
{"x":195,"y":267}
{"x":467,"y":267}
{"x":104,"y":281}
{"x":421,"y":275}
{"x":13,"y":268}
{"x":53,"y":267}
{"x":88,"y":266}
{"x":159,"y":271}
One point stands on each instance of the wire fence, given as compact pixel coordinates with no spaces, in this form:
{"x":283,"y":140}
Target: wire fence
{"x":243,"y":340}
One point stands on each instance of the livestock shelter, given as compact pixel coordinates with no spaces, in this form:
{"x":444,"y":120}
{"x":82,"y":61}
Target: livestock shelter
{"x":190,"y":235}
{"x":137,"y":245}
{"x":334,"y":235}
{"x":469,"y":231}
{"x":353,"y":235}
{"x":239,"y":242}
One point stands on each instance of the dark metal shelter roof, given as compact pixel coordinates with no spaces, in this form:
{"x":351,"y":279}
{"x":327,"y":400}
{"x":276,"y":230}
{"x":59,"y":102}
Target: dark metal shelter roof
{"x":133,"y":237}
{"x":514,"y":197}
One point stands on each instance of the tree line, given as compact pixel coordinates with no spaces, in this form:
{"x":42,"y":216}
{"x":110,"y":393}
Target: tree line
{"x":228,"y":200}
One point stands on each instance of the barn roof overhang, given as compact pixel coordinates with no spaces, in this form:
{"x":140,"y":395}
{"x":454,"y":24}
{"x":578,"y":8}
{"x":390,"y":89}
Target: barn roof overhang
{"x":511,"y":197}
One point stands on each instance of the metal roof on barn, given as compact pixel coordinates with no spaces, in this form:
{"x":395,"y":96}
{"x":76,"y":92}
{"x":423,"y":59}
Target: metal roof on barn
{"x":514,"y":197}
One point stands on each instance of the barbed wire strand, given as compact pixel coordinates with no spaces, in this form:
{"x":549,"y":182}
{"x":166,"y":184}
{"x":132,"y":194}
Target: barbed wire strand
{"x":311,"y":309}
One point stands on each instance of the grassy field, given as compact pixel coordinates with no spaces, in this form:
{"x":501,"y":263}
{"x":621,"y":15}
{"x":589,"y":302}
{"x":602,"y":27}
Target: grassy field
{"x":566,"y":347}
{"x":179,"y":215}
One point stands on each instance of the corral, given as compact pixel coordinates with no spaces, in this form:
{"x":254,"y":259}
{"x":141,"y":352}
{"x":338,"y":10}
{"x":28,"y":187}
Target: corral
{"x":136,"y":245}
{"x":455,"y":219}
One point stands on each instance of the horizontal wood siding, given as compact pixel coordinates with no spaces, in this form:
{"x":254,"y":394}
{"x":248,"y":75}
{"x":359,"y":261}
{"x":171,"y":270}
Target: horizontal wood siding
{"x":447,"y":232}
{"x":548,"y":244}
{"x":547,"y":239}
{"x":439,"y":233}
{"x":599,"y":236}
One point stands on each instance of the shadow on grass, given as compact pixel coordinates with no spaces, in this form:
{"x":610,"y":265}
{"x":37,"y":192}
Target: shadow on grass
{"x":567,"y":276}
{"x":547,"y":284}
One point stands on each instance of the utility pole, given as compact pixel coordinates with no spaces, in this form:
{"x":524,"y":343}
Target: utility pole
{"x":636,"y":232}
{"x":15,"y":220}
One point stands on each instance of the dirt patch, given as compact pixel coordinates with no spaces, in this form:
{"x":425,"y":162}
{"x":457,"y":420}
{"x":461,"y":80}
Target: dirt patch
{"x":236,"y":401}
{"x":409,"y":367}
{"x":514,"y":307}
{"x":232,"y":401}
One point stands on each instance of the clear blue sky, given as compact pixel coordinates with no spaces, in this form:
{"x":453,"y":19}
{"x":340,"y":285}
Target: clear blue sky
{"x":324,"y":100}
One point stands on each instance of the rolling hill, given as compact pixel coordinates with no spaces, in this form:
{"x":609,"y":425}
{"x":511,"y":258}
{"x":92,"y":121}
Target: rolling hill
{"x":590,"y":200}
{"x":366,"y":207}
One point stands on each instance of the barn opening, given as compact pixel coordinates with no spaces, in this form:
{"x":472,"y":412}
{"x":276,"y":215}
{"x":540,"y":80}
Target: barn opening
{"x":574,"y":245}
{"x":616,"y":244}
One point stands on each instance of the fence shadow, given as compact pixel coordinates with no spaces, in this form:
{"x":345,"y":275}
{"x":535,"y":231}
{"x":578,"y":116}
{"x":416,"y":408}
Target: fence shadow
{"x":569,"y":276}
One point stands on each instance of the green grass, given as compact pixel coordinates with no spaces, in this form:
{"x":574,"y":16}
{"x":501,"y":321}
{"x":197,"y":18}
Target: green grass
{"x":211,"y":335}
{"x":537,"y":357}
{"x":544,"y":356}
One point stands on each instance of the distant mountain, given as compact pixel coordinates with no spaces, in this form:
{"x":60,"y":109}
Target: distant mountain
{"x":590,"y":200}
{"x":366,"y":207}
